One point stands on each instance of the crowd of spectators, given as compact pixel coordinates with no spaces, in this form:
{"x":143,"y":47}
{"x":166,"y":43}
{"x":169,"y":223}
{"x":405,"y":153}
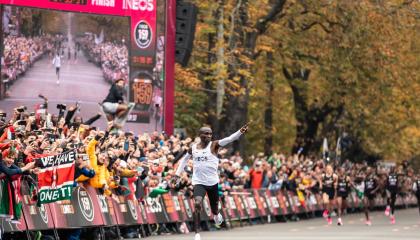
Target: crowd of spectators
{"x":113,"y":159}
{"x":20,"y":53}
{"x":111,"y":57}
{"x":135,"y":165}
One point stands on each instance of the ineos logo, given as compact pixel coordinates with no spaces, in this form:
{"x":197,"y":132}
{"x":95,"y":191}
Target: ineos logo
{"x":43,"y":213}
{"x":143,"y":34}
{"x":132,"y":208}
{"x":154,"y":205}
{"x":142,"y":5}
{"x":85,"y":204}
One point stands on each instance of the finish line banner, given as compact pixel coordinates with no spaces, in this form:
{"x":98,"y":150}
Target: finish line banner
{"x":56,"y":177}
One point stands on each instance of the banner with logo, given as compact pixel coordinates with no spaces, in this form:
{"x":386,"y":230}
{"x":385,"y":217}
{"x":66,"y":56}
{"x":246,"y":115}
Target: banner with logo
{"x":231,"y":206}
{"x":171,"y":207}
{"x":105,"y":204}
{"x":185,"y":208}
{"x":83,"y":210}
{"x":297,"y":206}
{"x":284,"y":202}
{"x":126,"y":210}
{"x":273,"y":203}
{"x":250,"y":204}
{"x":87,"y":209}
{"x":56,"y":177}
{"x":260,"y":200}
{"x":155,"y":210}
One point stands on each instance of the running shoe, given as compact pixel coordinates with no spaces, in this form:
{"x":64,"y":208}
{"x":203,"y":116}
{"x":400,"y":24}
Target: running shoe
{"x":339,"y":222}
{"x":392,"y":219}
{"x":197,"y":236}
{"x":387,"y":210}
{"x":325,"y":213}
{"x":368,"y":222}
{"x":329,"y":220}
{"x":218,"y":220}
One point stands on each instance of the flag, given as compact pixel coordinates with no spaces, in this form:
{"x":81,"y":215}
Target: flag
{"x":11,"y":198}
{"x":325,"y":150}
{"x":338,"y":150}
{"x":56,"y":177}
{"x":99,"y":39}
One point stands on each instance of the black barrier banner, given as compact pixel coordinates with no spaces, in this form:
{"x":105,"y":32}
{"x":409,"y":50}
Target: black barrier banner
{"x":155,"y":210}
{"x":273,"y":203}
{"x":261,"y":200}
{"x":250,"y":204}
{"x":186,"y":209}
{"x":106,"y":206}
{"x":126,"y":210}
{"x":39,"y":218}
{"x":170,"y":207}
{"x":232,"y":208}
{"x":88,"y":208}
{"x":294,"y":202}
{"x":83,"y":210}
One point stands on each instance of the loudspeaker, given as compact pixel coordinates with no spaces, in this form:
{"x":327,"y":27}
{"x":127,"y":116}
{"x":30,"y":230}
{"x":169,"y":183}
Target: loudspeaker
{"x":186,"y":18}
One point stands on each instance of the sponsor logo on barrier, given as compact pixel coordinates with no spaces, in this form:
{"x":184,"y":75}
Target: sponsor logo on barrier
{"x":143,"y":34}
{"x":102,"y":203}
{"x":275,"y":202}
{"x":132,"y":208}
{"x":85,"y":204}
{"x":154,"y":205}
{"x":43,"y":213}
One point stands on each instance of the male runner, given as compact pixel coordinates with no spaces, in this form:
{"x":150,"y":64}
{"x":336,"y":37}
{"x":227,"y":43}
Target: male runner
{"x":343,"y":187}
{"x":57,"y":64}
{"x":391,"y":193}
{"x":416,"y":189}
{"x":371,"y":188}
{"x":328,"y":186}
{"x":205,"y":177}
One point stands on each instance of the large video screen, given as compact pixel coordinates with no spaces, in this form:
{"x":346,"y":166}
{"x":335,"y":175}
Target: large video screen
{"x":72,"y":59}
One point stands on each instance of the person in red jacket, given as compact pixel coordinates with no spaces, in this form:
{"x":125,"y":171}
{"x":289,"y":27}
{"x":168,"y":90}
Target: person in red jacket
{"x":256,"y":176}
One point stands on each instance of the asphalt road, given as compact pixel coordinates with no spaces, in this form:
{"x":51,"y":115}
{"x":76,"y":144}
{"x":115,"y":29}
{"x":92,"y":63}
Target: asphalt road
{"x":406,"y":227}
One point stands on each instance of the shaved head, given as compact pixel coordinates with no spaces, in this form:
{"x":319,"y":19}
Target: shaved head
{"x":205,"y":129}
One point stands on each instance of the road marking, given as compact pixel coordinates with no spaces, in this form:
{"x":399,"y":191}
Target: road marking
{"x":395,"y":230}
{"x":351,"y":222}
{"x":294,"y":230}
{"x":310,"y":228}
{"x":406,"y":228}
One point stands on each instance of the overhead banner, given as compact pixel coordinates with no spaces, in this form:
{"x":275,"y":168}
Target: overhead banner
{"x":56,"y":177}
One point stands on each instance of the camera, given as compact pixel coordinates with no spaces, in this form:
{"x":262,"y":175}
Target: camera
{"x":61,"y":107}
{"x":21,"y":109}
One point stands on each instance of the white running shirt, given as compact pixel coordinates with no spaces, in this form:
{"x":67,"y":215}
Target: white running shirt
{"x":205,"y":166}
